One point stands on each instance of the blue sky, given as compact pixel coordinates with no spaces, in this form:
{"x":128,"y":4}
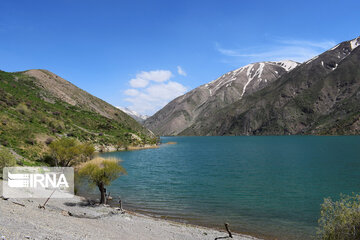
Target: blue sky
{"x":142,"y":54}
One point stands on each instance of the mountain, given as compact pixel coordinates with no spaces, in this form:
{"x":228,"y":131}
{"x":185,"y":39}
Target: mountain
{"x":320,"y":97}
{"x":37,"y":106}
{"x":185,"y":110}
{"x":137,"y":116}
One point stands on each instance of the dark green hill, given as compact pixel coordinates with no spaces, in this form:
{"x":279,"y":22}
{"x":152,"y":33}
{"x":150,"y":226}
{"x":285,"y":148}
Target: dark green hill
{"x":37,"y":105}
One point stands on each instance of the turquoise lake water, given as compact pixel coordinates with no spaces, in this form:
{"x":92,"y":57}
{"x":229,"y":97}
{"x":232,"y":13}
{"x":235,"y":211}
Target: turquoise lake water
{"x":265,"y":186}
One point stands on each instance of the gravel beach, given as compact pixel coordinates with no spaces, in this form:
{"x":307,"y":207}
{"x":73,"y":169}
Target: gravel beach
{"x":76,"y":219}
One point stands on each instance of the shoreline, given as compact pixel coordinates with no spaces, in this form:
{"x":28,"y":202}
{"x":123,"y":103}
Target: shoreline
{"x":149,"y":146}
{"x":193,"y":225}
{"x":75,"y":218}
{"x":62,"y":207}
{"x":175,"y":220}
{"x":99,"y":149}
{"x":190,"y":223}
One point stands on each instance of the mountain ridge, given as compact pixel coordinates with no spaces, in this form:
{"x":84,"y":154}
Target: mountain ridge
{"x":307,"y":100}
{"x":228,"y":88}
{"x":37,"y":106}
{"x":290,"y":104}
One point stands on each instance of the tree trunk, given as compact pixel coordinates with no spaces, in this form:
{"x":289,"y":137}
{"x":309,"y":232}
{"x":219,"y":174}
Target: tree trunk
{"x":103,"y":193}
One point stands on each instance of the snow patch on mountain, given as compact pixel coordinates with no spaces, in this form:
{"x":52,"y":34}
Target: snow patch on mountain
{"x":257,"y":73}
{"x":288,"y":65}
{"x":335,"y":47}
{"x":248,"y":73}
{"x":355,"y":43}
{"x":312,"y":59}
{"x":261,"y":68}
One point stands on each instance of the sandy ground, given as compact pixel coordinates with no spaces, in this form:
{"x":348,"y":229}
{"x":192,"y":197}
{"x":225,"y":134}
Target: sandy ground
{"x":76,"y":219}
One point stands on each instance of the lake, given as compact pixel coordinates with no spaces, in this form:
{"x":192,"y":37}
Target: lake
{"x":265,"y":186}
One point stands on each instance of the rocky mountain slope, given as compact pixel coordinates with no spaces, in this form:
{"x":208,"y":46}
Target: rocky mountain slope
{"x":185,"y":110}
{"x":321,"y":96}
{"x":58,"y":88}
{"x":37,"y":106}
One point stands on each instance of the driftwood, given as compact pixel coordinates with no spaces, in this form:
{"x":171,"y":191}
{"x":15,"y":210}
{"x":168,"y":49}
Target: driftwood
{"x":120,"y":205}
{"x":43,"y":206}
{"x":20,"y":204}
{"x":228,"y":230}
{"x":120,"y":208}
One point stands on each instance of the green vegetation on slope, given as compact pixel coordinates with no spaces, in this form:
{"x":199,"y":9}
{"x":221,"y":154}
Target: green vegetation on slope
{"x":29,"y":121}
{"x":6,"y":159}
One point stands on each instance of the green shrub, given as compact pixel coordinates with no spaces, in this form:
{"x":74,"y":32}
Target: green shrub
{"x":57,"y":125}
{"x":69,"y":152}
{"x":23,"y":109}
{"x":87,"y":151}
{"x":340,"y":220}
{"x":65,"y":151}
{"x":101,"y":172}
{"x":6,"y":159}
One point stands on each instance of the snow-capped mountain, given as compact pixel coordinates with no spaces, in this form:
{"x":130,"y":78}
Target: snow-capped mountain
{"x":251,"y":77}
{"x":137,"y":116}
{"x":319,"y":97}
{"x":180,"y":113}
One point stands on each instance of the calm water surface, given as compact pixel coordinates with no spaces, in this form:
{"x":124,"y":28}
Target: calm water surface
{"x":267,"y":186}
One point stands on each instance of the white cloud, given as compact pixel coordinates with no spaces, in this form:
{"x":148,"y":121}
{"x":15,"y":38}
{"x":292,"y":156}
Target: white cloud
{"x":166,"y":91}
{"x":153,"y":95}
{"x":297,"y":50}
{"x":142,"y":79}
{"x":156,"y":76}
{"x":317,"y":44}
{"x":132,"y":92}
{"x":181,"y":71}
{"x":138,"y":82}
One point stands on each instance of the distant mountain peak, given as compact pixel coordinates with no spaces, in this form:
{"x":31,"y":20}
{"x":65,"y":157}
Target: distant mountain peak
{"x":251,"y":72}
{"x":135,"y":115}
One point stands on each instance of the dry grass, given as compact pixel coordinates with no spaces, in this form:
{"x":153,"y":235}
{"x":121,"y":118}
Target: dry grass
{"x":98,"y":161}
